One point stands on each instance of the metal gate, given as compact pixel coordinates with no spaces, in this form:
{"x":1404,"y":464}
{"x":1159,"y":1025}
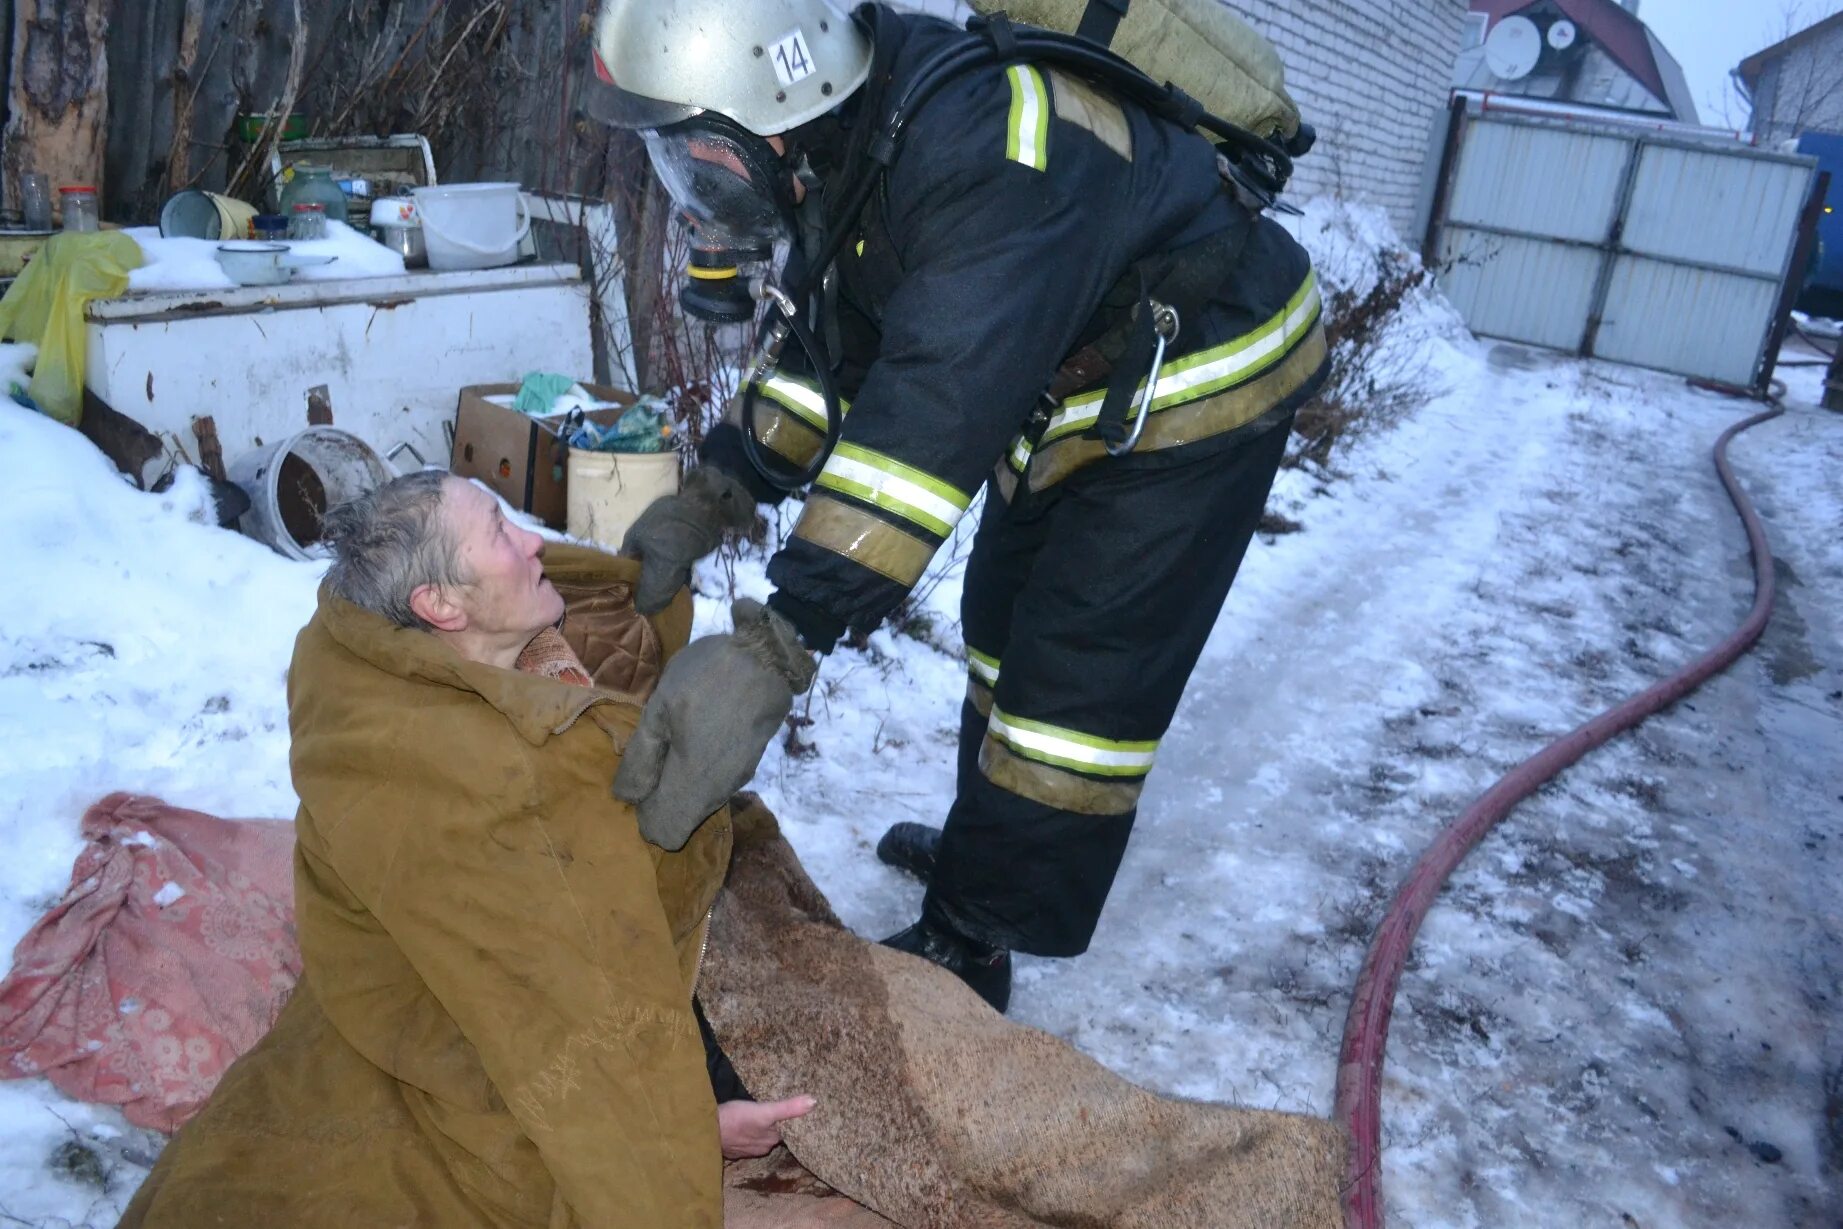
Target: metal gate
{"x":1648,"y":247}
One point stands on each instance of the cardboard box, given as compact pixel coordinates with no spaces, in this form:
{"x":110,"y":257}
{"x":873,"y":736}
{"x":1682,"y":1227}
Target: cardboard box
{"x":519,"y":456}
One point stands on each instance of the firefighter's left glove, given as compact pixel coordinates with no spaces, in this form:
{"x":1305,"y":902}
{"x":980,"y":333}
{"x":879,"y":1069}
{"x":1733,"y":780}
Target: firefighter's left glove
{"x":702,"y":734}
{"x":675,"y":531}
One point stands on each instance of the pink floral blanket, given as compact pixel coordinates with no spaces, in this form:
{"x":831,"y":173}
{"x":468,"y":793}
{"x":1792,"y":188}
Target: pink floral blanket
{"x":171,"y":954}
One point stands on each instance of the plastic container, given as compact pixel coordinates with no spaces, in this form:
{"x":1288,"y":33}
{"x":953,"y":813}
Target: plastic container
{"x":314,"y":185}
{"x":193,"y":214}
{"x":81,"y":214}
{"x":607,"y":491}
{"x":472,"y":225}
{"x":293,"y":482}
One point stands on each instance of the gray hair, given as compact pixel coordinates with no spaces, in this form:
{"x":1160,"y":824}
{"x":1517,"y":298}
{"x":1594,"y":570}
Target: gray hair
{"x":389,"y":542}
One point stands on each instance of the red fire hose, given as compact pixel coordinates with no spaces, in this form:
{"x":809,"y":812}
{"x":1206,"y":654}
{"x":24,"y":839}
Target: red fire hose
{"x":1366,"y":1029}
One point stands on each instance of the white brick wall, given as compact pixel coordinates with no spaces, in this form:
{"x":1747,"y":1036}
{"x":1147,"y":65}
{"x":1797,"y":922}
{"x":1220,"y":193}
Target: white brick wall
{"x":1371,"y":76}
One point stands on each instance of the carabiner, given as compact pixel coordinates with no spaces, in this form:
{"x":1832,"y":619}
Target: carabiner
{"x":1165,"y":326}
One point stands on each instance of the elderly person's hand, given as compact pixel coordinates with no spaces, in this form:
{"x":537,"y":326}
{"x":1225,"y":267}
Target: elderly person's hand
{"x":753,"y":1128}
{"x":703,"y":732}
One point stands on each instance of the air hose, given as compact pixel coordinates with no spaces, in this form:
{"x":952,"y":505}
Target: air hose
{"x":1366,"y":1029}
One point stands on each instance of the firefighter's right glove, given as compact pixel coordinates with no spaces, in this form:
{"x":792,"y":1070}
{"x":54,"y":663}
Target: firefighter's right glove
{"x":676,"y":531}
{"x":702,"y":734}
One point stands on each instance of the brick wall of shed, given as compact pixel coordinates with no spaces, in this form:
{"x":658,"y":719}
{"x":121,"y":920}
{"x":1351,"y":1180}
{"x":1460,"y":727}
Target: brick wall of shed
{"x":1371,"y":75}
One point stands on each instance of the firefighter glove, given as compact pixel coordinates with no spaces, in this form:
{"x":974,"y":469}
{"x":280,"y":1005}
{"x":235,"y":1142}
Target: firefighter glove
{"x":676,"y":531}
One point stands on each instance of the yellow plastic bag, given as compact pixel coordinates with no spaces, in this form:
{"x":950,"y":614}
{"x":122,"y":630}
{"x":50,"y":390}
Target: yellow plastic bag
{"x":46,"y":303}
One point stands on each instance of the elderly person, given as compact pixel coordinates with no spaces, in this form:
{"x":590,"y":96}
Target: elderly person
{"x":496,"y":1024}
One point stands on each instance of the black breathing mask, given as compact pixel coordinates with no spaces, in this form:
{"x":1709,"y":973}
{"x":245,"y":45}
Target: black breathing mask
{"x":736,"y":193}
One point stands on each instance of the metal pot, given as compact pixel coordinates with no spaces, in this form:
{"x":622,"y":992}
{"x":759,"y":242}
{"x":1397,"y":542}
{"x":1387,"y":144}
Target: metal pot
{"x":406,"y":241}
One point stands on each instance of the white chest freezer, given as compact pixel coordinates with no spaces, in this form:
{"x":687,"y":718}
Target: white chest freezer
{"x":390,"y":355}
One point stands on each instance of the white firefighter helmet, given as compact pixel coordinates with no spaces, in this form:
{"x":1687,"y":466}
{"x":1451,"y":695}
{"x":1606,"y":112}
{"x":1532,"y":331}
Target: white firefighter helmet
{"x":767,"y":65}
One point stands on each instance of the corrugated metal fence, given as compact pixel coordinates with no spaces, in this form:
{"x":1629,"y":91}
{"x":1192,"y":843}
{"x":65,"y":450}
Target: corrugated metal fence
{"x":1641,"y":246}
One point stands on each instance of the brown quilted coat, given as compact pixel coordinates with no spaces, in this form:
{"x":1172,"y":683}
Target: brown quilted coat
{"x":495,"y":1025}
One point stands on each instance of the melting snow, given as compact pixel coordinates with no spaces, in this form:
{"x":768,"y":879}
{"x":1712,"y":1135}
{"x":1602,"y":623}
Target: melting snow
{"x":1621,"y":1012}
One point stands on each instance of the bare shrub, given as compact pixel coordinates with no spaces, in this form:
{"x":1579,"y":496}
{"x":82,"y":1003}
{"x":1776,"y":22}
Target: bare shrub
{"x":1377,"y":377}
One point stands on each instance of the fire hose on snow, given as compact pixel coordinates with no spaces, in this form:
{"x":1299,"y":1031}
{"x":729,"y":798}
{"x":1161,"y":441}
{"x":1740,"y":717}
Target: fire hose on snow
{"x":1366,"y":1029}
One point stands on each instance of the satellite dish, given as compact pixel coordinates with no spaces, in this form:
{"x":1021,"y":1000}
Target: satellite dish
{"x":1562,"y":35}
{"x":1513,"y":47}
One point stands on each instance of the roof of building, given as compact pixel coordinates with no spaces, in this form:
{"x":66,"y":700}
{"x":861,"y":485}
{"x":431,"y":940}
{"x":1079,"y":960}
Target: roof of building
{"x":1751,"y":67}
{"x":1626,"y":39}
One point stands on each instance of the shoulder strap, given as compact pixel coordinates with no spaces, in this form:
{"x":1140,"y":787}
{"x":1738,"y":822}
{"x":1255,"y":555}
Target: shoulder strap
{"x":1100,"y":19}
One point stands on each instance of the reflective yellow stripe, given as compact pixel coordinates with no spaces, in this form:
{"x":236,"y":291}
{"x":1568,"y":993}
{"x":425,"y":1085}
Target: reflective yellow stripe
{"x":1195,"y":420}
{"x":1027,"y":129}
{"x":1054,"y":787}
{"x":863,"y":539}
{"x":1072,"y":749}
{"x":982,"y":666}
{"x":800,"y":397}
{"x":1207,"y":371}
{"x":1019,"y":456}
{"x":887,"y":483}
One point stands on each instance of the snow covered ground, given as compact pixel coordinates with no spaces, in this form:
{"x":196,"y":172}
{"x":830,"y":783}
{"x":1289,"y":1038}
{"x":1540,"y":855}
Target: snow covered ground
{"x":1623,"y":1010}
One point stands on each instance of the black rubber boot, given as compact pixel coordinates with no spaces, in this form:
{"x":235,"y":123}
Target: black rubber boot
{"x":911,"y":847}
{"x":987,"y":970}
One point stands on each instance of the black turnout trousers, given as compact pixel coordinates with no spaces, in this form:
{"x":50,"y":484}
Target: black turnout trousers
{"x":1086,"y":607}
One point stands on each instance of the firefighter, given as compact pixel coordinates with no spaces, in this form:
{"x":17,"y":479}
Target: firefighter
{"x":1038,"y":243}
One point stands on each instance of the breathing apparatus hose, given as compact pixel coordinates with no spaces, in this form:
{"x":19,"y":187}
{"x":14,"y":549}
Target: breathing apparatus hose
{"x":1366,"y":1029}
{"x":775,"y":471}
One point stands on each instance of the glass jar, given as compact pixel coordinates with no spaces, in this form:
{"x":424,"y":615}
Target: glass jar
{"x":314,"y":185}
{"x":35,"y":200}
{"x":80,"y":212}
{"x":307,"y":221}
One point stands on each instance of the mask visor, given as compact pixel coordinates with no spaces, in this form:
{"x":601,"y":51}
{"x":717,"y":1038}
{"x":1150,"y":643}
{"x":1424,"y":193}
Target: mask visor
{"x":728,"y":185}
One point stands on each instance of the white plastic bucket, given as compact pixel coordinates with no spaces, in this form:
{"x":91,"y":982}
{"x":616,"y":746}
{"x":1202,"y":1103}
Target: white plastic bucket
{"x":607,"y":491}
{"x":293,"y":482}
{"x":473,"y":225}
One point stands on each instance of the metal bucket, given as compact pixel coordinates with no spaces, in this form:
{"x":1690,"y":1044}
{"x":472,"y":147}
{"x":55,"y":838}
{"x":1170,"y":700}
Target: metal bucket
{"x":292,"y":483}
{"x":194,"y":214}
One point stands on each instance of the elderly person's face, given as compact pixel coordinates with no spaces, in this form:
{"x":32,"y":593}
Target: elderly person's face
{"x":505,"y":598}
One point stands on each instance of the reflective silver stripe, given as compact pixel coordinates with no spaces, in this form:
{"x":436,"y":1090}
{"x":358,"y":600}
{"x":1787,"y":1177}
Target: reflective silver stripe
{"x":1072,"y":749}
{"x":982,"y":666}
{"x":889,"y":484}
{"x":801,"y":398}
{"x":1207,"y":371}
{"x":1027,"y":127}
{"x":1194,"y":420}
{"x":1019,"y":457}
